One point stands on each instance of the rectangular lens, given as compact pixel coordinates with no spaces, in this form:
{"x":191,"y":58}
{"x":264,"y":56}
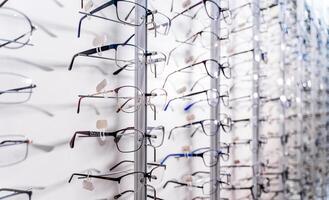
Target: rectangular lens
{"x":11,"y":88}
{"x":13,"y":149}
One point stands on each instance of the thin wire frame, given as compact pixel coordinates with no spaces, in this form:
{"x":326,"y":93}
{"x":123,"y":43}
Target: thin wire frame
{"x":22,"y":39}
{"x":18,"y":144}
{"x":15,"y":88}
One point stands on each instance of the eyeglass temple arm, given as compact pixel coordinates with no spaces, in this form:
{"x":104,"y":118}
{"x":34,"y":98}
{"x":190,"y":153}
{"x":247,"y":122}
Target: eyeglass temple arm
{"x":18,"y":89}
{"x":167,"y":105}
{"x":124,"y":67}
{"x":241,"y":120}
{"x":200,"y":172}
{"x":175,"y":182}
{"x":79,"y":103}
{"x":83,"y":176}
{"x":91,"y":96}
{"x":3,"y":3}
{"x":171,"y":131}
{"x":188,"y":106}
{"x":118,"y":164}
{"x":196,"y":82}
{"x":195,"y":131}
{"x":131,"y":161}
{"x":42,"y":147}
{"x":121,"y":107}
{"x":93,"y":51}
{"x":179,"y":70}
{"x":178,"y":155}
{"x":89,"y":134}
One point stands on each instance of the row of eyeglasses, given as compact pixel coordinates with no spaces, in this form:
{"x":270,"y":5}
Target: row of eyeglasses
{"x":128,"y":99}
{"x":271,"y":173}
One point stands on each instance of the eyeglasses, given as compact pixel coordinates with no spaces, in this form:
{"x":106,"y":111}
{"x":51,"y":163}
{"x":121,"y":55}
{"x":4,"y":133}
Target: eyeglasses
{"x":209,"y":156}
{"x":125,"y":97}
{"x":123,"y":138}
{"x":14,"y":149}
{"x":208,"y":5}
{"x":125,"y":13}
{"x":18,"y":36}
{"x":13,"y":194}
{"x":125,"y":181}
{"x":213,"y":97}
{"x":212,"y":67}
{"x":15,"y":88}
{"x":203,"y":37}
{"x":203,"y":125}
{"x":124,"y":56}
{"x":208,"y":186}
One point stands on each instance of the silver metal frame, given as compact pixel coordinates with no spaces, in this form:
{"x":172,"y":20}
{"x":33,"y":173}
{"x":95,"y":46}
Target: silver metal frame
{"x":255,"y":95}
{"x":215,"y":111}
{"x":141,"y":114}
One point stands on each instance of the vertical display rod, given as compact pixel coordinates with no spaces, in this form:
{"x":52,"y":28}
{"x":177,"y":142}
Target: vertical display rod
{"x":140,"y":157}
{"x":214,"y":112}
{"x":299,"y":99}
{"x":255,"y":96}
{"x":313,"y":79}
{"x":282,"y":18}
